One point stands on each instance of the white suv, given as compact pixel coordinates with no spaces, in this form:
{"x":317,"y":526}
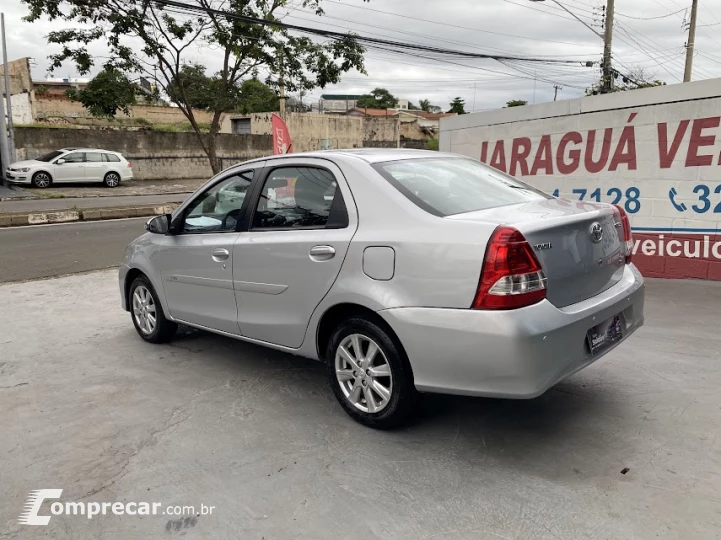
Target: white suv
{"x":71,"y":165}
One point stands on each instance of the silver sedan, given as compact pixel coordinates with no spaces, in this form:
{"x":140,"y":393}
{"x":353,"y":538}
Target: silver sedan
{"x":404,"y":271}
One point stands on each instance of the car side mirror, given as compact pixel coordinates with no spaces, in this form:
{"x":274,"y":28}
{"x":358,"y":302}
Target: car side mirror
{"x":158,"y":224}
{"x":60,"y":161}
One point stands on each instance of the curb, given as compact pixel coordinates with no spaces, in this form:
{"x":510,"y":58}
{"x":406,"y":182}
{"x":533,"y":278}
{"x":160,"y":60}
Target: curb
{"x":88,"y":214}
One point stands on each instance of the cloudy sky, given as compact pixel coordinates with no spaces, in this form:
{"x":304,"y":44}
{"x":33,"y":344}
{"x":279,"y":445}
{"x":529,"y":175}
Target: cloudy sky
{"x":648,"y":34}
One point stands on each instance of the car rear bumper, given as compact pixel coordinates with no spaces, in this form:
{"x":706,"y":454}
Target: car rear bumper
{"x":511,"y":354}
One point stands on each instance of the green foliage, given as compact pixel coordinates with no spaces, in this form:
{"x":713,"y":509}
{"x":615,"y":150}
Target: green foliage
{"x":432,"y":144}
{"x":622,"y":83}
{"x":163,"y":39}
{"x":380,"y":98}
{"x":427,"y":107}
{"x":458,"y":106}
{"x":516,"y":103}
{"x":110,"y":91}
{"x":257,"y":97}
{"x":41,"y":90}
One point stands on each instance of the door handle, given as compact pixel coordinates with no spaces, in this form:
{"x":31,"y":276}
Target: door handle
{"x":322,"y":253}
{"x":220,"y":254}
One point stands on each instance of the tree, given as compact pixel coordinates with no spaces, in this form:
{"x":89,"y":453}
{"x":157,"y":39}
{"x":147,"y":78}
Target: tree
{"x":110,"y":91}
{"x":458,"y":106}
{"x":167,"y":37}
{"x":412,"y":106}
{"x":635,"y":79}
{"x":380,"y":98}
{"x":256,"y":97}
{"x":427,"y":107}
{"x":516,"y":103}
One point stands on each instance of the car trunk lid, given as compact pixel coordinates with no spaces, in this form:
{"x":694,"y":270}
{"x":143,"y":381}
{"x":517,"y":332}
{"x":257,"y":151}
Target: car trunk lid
{"x":578,"y":244}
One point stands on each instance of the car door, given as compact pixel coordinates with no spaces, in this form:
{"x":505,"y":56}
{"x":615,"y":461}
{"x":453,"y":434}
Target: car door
{"x":94,"y":167}
{"x":197,"y":260}
{"x":72,"y":168}
{"x":298,"y":234}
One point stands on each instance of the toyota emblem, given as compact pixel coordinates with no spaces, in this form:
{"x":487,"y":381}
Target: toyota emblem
{"x":596,"y":233}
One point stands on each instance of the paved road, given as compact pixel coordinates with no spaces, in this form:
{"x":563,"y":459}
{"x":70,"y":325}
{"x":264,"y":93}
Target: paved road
{"x":43,"y":205}
{"x":52,"y":250}
{"x":626,"y":449}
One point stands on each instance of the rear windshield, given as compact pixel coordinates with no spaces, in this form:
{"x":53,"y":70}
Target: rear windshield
{"x":447,"y":186}
{"x":50,"y":156}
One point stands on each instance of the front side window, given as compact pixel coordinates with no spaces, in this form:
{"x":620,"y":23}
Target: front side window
{"x":219,"y":208}
{"x":295,"y":197}
{"x":74,"y":157}
{"x":447,"y":186}
{"x":93,"y":157}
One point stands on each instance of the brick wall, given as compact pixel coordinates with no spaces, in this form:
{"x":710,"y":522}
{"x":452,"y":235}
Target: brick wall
{"x":656,"y":152}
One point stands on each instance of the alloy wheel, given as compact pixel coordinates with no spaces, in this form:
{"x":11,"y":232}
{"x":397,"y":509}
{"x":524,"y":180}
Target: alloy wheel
{"x":112,"y":180}
{"x":42,"y":180}
{"x":363,"y":373}
{"x":144,"y":310}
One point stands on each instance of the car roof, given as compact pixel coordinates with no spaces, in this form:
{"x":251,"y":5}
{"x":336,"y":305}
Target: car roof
{"x":88,"y":150}
{"x":369,"y":155}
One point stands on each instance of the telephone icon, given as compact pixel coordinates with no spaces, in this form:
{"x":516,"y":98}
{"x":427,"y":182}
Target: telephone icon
{"x":681,"y":207}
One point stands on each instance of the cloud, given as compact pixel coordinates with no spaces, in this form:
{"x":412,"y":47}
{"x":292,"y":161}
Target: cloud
{"x":509,"y":27}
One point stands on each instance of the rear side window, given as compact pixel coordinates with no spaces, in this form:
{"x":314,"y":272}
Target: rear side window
{"x":447,"y":186}
{"x":93,"y":157}
{"x":111,"y":157}
{"x":300,"y":197}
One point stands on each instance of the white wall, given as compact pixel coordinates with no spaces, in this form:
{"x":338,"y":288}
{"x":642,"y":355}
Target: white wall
{"x":549,"y":145}
{"x":22,"y":108}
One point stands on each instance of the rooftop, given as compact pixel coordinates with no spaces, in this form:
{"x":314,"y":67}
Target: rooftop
{"x":340,"y":97}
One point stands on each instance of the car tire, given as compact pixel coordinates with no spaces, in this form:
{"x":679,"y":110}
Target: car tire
{"x":147,"y":313}
{"x":41,"y":180}
{"x":111,"y":180}
{"x":357,"y":390}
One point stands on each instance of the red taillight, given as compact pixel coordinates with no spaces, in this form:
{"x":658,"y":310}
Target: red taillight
{"x":624,"y":234}
{"x":129,"y":165}
{"x":512,"y":277}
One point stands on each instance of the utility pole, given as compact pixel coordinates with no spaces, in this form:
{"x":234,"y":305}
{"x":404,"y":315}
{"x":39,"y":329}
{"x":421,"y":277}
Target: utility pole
{"x":4,"y":155}
{"x":556,"y":88}
{"x":11,"y":133}
{"x":607,"y":77}
{"x":607,"y":85}
{"x":688,"y":72}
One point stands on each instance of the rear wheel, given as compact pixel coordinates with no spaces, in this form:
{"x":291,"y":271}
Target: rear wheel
{"x":112,"y":179}
{"x":369,"y":374}
{"x":147,"y":313}
{"x":41,"y":180}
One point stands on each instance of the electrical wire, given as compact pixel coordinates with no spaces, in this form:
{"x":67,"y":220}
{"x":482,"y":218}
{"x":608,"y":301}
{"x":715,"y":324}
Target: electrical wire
{"x":366,"y":40}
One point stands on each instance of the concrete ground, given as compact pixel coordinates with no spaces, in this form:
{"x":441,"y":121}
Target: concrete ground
{"x":126,"y":188}
{"x":45,"y":205}
{"x":629,"y":448}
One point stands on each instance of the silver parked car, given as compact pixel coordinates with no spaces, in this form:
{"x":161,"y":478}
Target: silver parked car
{"x":403,"y":270}
{"x":71,"y":165}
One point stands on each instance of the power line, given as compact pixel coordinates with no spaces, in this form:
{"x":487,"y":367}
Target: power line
{"x":368,"y":41}
{"x":650,"y":18}
{"x":458,"y":26}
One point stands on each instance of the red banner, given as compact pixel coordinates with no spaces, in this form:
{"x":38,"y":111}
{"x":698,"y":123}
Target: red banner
{"x":281,"y":137}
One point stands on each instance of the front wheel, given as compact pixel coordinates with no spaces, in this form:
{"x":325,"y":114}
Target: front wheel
{"x":370,"y":375}
{"x":41,"y":180}
{"x":112,"y":179}
{"x":147,"y":313}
